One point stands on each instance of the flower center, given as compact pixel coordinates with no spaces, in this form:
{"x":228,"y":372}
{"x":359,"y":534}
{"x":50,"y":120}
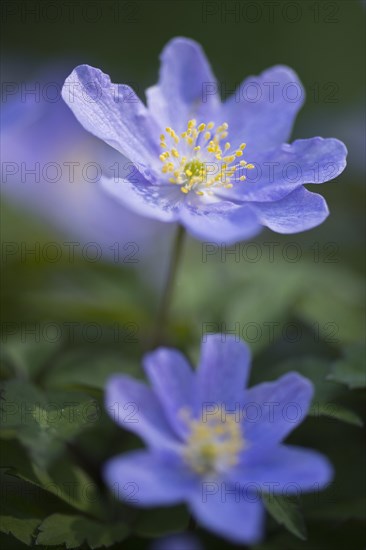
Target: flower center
{"x":213,"y":446}
{"x":198,"y":160}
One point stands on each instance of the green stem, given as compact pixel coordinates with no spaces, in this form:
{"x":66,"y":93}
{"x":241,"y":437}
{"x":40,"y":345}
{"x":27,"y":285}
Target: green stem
{"x":163,"y":312}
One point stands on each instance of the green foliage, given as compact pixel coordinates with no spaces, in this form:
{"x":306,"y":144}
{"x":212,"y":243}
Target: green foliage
{"x":56,"y":435}
{"x":350,"y":370}
{"x":286,"y":511}
{"x":44,"y":423}
{"x":21,"y":528}
{"x":336,"y":412}
{"x":74,"y":531}
{"x":161,"y":521}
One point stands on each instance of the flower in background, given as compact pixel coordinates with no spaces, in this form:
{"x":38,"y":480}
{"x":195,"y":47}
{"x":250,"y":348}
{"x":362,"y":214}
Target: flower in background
{"x":52,"y":166}
{"x":222,"y":170}
{"x":183,"y":541}
{"x":212,"y":443}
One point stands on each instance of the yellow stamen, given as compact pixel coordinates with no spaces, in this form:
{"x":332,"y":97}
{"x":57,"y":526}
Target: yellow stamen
{"x":202,"y":157}
{"x":213,"y":445}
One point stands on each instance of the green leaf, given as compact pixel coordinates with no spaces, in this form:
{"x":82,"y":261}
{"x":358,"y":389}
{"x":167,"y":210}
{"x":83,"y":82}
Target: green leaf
{"x":351,"y":369}
{"x":328,"y":290}
{"x":106,"y":293}
{"x":74,"y":531}
{"x":286,"y":511}
{"x":161,"y":521}
{"x":21,"y":528}
{"x":23,"y":508}
{"x":76,"y":367}
{"x":314,"y":368}
{"x":27,"y":357}
{"x":335,"y":412}
{"x":64,"y":480}
{"x":44,"y":423}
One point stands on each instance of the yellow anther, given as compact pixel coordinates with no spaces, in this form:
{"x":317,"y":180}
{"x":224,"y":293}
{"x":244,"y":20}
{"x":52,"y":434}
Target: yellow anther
{"x":229,"y":159}
{"x":191,"y":172}
{"x":242,"y":178}
{"x":214,"y":444}
{"x":250,"y":166}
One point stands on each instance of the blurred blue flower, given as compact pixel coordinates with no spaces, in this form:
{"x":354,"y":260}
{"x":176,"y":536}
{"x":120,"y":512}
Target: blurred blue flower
{"x":184,"y":541}
{"x":52,"y":166}
{"x":212,"y":443}
{"x":188,"y":147}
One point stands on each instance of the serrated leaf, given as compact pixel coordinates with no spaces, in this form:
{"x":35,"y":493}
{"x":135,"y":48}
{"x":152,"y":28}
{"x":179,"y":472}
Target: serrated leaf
{"x":351,"y":369}
{"x":286,"y":511}
{"x":62,"y":479}
{"x":74,"y":531}
{"x":44,"y":422}
{"x":335,"y":412}
{"x":21,"y":528}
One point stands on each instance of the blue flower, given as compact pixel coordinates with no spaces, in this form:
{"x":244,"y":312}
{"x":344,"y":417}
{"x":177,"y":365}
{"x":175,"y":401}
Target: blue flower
{"x":222,"y":170}
{"x":212,"y":443}
{"x":182,"y":541}
{"x":64,"y":189}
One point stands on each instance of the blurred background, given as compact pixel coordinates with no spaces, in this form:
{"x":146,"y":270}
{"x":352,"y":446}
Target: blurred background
{"x":81,"y":275}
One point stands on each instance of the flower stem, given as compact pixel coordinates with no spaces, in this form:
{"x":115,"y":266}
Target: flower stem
{"x":166,"y":299}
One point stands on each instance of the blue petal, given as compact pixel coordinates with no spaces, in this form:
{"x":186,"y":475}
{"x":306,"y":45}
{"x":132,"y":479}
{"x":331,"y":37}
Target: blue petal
{"x":180,"y":93}
{"x":135,"y":407}
{"x":285,"y":470}
{"x":223,"y":371}
{"x":113,"y":113}
{"x":143,"y":478}
{"x":159,"y":202}
{"x":220,"y":223}
{"x":298,"y":211}
{"x":173,"y":382}
{"x":181,"y":541}
{"x":273,"y":409}
{"x":233,"y":516}
{"x":286,"y":168}
{"x":262,"y":111}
